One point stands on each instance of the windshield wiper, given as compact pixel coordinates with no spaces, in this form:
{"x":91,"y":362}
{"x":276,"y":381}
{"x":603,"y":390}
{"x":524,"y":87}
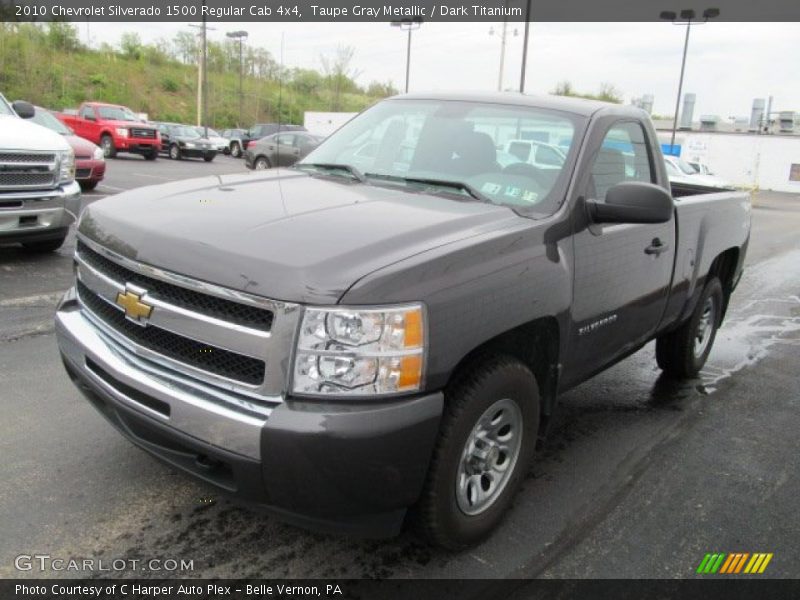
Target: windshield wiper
{"x":356,"y":174}
{"x":459,"y":185}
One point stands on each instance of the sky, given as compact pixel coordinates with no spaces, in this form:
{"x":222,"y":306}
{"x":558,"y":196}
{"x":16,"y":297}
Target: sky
{"x":728,"y":64}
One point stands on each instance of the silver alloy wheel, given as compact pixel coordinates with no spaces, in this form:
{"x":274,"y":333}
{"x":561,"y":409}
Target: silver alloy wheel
{"x":236,"y":150}
{"x":705,"y":327}
{"x":261,"y":164}
{"x":174,"y":152}
{"x":489,"y":457}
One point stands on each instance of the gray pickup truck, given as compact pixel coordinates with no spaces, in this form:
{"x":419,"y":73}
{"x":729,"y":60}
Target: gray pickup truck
{"x":371,"y":334}
{"x":39,"y":196}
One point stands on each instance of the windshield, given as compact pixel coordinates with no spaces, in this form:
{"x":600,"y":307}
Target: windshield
{"x":116,"y":113}
{"x":46,"y":119}
{"x":5,"y":109}
{"x":187,"y":132}
{"x":211,"y":132}
{"x":417,"y":142}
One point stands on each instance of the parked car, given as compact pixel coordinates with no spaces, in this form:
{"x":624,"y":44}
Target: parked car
{"x":233,"y":135}
{"x":540,"y":154}
{"x":184,"y":141}
{"x":39,"y":197}
{"x":219,"y":143}
{"x":114,"y":128}
{"x":90,"y":163}
{"x":279,"y":150}
{"x":680,"y":171}
{"x":699,"y":167}
{"x":256,"y":132}
{"x":342,"y":343}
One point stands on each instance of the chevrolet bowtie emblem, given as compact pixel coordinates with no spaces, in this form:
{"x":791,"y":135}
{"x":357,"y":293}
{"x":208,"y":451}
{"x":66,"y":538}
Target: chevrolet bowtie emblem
{"x":135,"y":309}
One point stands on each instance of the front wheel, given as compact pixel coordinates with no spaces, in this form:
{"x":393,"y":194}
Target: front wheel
{"x":208,"y":157}
{"x":236,"y":150}
{"x":107,"y":144}
{"x":485,"y":444}
{"x":151,"y":155}
{"x":174,"y":152}
{"x":683,"y":352}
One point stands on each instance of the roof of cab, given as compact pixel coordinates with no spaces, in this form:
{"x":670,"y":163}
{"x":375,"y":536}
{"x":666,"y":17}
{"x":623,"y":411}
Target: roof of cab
{"x":579,"y":106}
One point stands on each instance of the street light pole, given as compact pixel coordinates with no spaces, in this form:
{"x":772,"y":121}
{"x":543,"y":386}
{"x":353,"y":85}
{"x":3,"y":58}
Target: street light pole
{"x":686,"y":17}
{"x":239,"y":35}
{"x":409,"y":25}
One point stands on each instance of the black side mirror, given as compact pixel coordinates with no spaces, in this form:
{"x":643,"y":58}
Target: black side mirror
{"x":633,"y":202}
{"x":24,"y":109}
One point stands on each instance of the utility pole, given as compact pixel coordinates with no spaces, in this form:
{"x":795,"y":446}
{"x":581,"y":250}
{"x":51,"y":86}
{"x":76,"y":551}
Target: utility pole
{"x":525,"y":48}
{"x":239,"y":35}
{"x":503,"y":36}
{"x":202,"y":75}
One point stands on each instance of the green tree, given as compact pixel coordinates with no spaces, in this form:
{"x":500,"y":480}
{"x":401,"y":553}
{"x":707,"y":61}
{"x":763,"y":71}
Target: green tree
{"x":131,"y":45}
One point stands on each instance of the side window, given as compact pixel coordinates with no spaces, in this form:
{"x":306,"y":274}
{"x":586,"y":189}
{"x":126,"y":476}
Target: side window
{"x":87,"y":113}
{"x":623,"y":156}
{"x":285,"y":139}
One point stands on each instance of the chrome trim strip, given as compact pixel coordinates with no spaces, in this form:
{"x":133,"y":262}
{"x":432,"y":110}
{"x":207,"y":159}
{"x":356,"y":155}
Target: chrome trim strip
{"x":186,"y":282}
{"x":190,"y":324}
{"x":208,"y":421}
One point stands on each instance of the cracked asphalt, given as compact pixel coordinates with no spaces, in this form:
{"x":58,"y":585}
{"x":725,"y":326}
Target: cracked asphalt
{"x":640,"y":476}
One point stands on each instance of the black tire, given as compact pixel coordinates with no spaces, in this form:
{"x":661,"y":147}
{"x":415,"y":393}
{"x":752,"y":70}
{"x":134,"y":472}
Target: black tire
{"x":236,"y":150}
{"x":226,"y":151}
{"x":261,"y":163}
{"x":208,"y":157}
{"x":45,"y":245}
{"x":479,"y":388}
{"x":680,"y":353}
{"x":107,"y":144}
{"x":175,"y":152}
{"x":88,"y":186}
{"x":151,"y":155}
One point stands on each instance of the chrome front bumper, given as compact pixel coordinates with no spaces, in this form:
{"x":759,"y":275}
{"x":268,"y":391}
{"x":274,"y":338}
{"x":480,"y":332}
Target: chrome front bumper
{"x":184,"y":404}
{"x":36,"y":212}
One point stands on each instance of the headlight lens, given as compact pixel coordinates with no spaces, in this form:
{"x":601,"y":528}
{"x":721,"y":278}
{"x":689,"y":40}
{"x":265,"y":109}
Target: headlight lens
{"x":66,"y":171}
{"x":357,"y":352}
{"x":122,"y":132}
{"x":190,"y":144}
{"x":98,"y":154}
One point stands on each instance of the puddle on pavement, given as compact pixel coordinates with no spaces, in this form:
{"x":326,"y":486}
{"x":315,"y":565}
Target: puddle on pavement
{"x":748,"y":336}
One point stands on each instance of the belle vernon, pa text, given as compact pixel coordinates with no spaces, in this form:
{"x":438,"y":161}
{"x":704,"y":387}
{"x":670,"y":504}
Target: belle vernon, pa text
{"x":146,"y":591}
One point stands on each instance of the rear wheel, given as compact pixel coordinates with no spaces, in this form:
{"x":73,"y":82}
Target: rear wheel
{"x":236,"y":149}
{"x":107,"y":144}
{"x":174,"y":152}
{"x":683,"y":352}
{"x":261,"y":163}
{"x":486,"y":441}
{"x":44,"y":246}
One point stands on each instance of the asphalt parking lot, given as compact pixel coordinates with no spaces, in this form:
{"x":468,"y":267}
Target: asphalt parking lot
{"x":640,"y":477}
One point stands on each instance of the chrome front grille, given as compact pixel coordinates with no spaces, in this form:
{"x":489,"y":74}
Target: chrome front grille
{"x":27,"y":170}
{"x":143,"y":133}
{"x":194,"y":331}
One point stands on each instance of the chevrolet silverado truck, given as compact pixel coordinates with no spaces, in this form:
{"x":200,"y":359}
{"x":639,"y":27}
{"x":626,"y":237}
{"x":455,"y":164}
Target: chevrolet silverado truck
{"x":361,"y":338}
{"x":39,"y":198}
{"x":114,"y":128}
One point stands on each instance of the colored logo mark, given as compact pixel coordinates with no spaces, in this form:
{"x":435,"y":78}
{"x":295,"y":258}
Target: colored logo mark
{"x":734,"y":563}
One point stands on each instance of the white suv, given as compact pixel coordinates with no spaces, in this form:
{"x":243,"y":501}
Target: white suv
{"x":39,"y":197}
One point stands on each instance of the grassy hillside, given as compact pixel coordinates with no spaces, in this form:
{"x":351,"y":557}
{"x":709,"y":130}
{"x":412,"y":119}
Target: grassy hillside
{"x":48,"y":65}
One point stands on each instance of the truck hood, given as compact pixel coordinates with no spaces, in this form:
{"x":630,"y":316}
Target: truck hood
{"x":284,"y":235}
{"x":19,"y":134}
{"x":127,"y":124}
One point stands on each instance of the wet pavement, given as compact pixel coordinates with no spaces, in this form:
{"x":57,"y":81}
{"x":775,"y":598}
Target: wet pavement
{"x":640,"y":476}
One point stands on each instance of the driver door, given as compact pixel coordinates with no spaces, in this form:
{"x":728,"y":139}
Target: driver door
{"x":622,"y":271}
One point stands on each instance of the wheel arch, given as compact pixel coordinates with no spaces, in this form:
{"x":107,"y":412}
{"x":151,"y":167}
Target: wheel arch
{"x":537,"y":345}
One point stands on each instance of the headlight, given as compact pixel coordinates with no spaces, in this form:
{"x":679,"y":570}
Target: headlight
{"x":358,"y":351}
{"x":98,"y":154}
{"x":66,"y":171}
{"x":190,"y":144}
{"x":122,"y":132}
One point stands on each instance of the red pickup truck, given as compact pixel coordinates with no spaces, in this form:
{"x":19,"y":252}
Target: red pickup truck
{"x":114,"y":128}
